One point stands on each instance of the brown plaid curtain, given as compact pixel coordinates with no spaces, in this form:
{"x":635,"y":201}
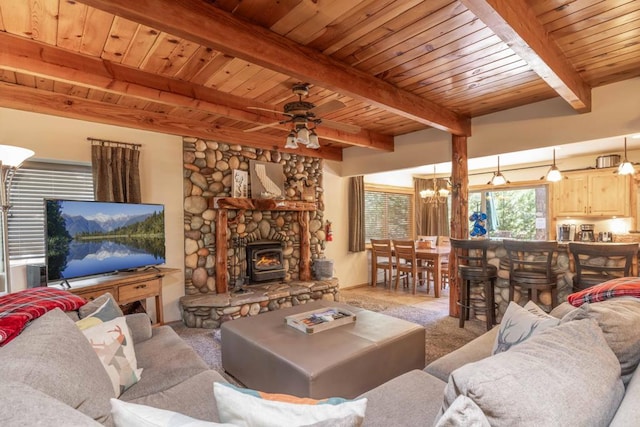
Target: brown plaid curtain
{"x":116,"y":174}
{"x":356,"y":214}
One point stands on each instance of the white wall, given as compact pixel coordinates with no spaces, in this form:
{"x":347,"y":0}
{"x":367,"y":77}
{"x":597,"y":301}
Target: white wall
{"x":59,"y":139}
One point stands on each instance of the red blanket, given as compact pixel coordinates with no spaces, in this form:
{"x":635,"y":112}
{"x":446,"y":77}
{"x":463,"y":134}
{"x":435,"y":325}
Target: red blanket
{"x":19,"y":308}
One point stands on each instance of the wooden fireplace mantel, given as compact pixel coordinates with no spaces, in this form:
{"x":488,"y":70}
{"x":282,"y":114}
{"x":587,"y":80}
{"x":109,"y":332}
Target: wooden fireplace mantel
{"x":224,"y":204}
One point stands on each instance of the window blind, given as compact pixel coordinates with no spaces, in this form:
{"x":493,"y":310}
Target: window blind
{"x":387,"y":215}
{"x":32,"y":183}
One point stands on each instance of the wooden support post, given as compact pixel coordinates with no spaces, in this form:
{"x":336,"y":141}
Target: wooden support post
{"x":305,"y":246}
{"x":459,"y":212}
{"x":222,"y":284}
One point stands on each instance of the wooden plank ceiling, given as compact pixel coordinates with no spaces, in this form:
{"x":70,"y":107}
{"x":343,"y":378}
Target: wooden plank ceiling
{"x":219,"y":69}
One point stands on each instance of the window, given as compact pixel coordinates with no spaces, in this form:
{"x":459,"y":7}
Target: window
{"x":388,"y":212}
{"x":32,"y":183}
{"x":519,"y":213}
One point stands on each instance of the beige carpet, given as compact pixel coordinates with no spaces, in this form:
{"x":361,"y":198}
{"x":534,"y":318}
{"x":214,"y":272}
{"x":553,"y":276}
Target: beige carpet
{"x":442,"y":332}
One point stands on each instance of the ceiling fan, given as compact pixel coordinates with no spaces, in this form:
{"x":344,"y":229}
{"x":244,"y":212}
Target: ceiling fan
{"x":303,"y":117}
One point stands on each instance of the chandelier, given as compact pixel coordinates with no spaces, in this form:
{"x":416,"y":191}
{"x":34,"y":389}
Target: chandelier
{"x":435,"y":194}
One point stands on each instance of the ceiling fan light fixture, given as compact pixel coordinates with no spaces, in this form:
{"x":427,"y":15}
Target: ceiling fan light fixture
{"x":314,"y":143}
{"x":291,"y":141}
{"x":303,"y":136}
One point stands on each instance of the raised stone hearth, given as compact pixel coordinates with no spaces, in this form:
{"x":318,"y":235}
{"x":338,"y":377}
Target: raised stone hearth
{"x":210,"y":310}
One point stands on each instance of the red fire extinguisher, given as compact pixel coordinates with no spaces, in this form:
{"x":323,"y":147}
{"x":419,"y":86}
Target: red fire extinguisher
{"x":328,"y":232}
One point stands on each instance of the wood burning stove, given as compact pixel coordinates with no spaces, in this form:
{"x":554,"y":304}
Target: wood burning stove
{"x":265,"y":261}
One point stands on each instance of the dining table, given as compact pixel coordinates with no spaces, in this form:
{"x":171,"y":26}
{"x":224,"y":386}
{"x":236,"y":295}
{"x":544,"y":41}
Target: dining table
{"x":435,"y":255}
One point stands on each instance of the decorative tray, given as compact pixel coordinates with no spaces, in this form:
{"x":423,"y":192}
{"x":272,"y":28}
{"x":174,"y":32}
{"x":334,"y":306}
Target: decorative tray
{"x":314,"y":321}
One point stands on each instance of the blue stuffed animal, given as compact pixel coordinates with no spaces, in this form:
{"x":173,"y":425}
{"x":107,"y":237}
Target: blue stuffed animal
{"x":478,"y":227}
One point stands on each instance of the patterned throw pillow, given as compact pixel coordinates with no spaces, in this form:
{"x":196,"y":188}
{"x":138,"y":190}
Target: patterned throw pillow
{"x":19,"y":308}
{"x":126,"y":414}
{"x":521,"y":323}
{"x":113,"y":344}
{"x":250,"y":407}
{"x":102,"y":309}
{"x":622,"y":286}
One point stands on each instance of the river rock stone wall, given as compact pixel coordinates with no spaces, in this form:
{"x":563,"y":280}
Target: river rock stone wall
{"x":208,"y":168}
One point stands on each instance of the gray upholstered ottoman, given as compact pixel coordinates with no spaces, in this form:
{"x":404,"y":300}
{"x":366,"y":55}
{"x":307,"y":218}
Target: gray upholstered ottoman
{"x":265,"y":354}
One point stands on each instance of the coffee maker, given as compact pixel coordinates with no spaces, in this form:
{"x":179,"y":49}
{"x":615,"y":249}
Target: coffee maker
{"x":587,"y":233}
{"x":564,"y":233}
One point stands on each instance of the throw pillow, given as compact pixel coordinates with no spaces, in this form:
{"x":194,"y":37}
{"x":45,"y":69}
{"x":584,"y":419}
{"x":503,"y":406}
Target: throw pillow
{"x":622,"y":286}
{"x":246,"y":407}
{"x":463,"y":413}
{"x":113,"y":344}
{"x":127,"y":414}
{"x":563,"y":376}
{"x":52,"y":355}
{"x":104,"y":307}
{"x":619,"y":319}
{"x":521,"y":323}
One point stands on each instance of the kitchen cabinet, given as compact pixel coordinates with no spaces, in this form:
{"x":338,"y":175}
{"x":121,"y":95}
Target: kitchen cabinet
{"x":598,"y":193}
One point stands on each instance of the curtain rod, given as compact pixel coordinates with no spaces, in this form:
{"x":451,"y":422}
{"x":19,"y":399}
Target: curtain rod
{"x":102,"y":141}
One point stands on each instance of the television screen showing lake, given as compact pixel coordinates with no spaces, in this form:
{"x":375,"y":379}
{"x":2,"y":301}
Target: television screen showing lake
{"x":90,"y":238}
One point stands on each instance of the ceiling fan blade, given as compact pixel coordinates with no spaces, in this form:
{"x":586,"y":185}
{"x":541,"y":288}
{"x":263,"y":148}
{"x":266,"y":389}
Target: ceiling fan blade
{"x":340,"y":126}
{"x":328,"y":107}
{"x":271,"y":111}
{"x":253,"y":129}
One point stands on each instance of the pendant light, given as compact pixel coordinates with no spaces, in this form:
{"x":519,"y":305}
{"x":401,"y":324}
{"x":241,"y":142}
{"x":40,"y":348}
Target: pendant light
{"x":498,"y":178}
{"x":554,"y":174}
{"x":626,"y":167}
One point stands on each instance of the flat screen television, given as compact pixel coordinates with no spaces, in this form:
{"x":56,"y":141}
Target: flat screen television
{"x":93,"y":238}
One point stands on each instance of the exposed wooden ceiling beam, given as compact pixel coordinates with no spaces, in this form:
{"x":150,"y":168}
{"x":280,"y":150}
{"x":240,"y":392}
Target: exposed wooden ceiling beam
{"x":516,"y":24}
{"x":55,"y":104}
{"x":24,"y":55}
{"x":207,"y":25}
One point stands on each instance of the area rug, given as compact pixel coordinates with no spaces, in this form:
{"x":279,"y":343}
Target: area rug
{"x":442,"y":332}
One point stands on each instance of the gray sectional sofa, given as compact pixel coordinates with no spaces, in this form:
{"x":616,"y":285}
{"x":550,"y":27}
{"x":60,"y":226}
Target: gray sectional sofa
{"x":562,"y":376}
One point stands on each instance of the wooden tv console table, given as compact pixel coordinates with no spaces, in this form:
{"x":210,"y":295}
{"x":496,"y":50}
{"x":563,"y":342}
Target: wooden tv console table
{"x":125,"y":287}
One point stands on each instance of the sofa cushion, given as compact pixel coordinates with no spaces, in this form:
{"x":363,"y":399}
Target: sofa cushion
{"x":521,"y":323}
{"x":21,"y":405}
{"x":564,"y":376}
{"x":619,"y":319}
{"x":562,"y":310}
{"x":167,"y":360}
{"x":243,"y":406}
{"x":619,"y":287}
{"x":53,"y":356}
{"x":127,"y":414}
{"x":411,"y":399}
{"x":192,"y":397}
{"x":113,"y":344}
{"x":628,"y":412}
{"x":463,"y":413}
{"x":139,"y":327}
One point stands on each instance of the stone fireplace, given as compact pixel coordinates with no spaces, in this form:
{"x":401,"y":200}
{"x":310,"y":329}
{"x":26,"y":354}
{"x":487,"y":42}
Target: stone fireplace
{"x":214,"y":220}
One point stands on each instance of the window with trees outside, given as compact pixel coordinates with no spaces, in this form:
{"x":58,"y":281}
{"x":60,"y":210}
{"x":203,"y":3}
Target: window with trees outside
{"x":388,"y":212}
{"x":513,"y":212}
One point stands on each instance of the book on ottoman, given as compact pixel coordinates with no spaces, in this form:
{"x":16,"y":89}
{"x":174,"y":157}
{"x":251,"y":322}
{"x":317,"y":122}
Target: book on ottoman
{"x":314,"y":321}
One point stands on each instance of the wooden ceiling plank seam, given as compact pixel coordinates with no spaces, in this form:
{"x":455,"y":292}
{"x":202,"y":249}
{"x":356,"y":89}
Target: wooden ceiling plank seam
{"x":511,"y":100}
{"x":608,"y":75}
{"x":8,"y":76}
{"x":446,"y":32}
{"x":548,"y":11}
{"x":25,"y":80}
{"x":240,"y":38}
{"x":326,"y":14}
{"x":625,"y":57}
{"x":196,"y":62}
{"x":250,"y":87}
{"x":602,"y":40}
{"x":460,"y":62}
{"x":263,"y":12}
{"x":608,"y":51}
{"x":411,"y":36}
{"x":141,"y":43}
{"x":71,"y":21}
{"x":571,"y":39}
{"x":597,"y":13}
{"x":204,"y":74}
{"x":227,"y":72}
{"x":79,"y":91}
{"x":44,"y":84}
{"x":2,"y":26}
{"x":97,"y":27}
{"x":465,"y":48}
{"x":353,"y":51}
{"x":62,"y":87}
{"x":516,"y":24}
{"x":361,"y":21}
{"x":263,"y":87}
{"x":498,"y":88}
{"x":155,"y":59}
{"x":20,"y":14}
{"x":178,"y":57}
{"x":120,"y":37}
{"x":125,"y":80}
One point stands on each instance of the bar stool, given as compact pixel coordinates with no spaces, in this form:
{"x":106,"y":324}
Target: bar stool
{"x":473,"y":266}
{"x":598,"y":262}
{"x":531,"y":269}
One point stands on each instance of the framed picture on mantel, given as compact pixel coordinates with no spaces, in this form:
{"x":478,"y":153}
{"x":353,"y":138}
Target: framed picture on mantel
{"x":240,"y":184}
{"x":267,"y":180}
